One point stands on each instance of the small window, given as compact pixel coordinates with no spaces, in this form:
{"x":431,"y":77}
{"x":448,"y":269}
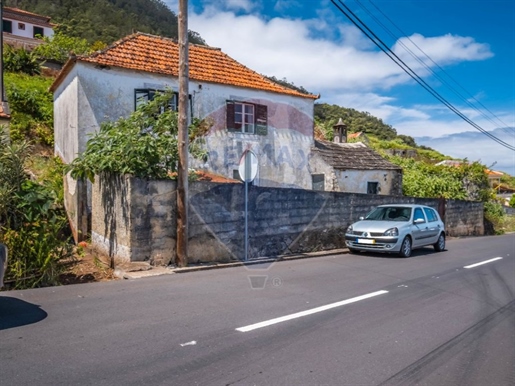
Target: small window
{"x":142,"y":96}
{"x":39,"y":32}
{"x":7,"y":26}
{"x":419,"y":215}
{"x":372,"y":187}
{"x":236,"y":174}
{"x":430,"y":214}
{"x":247,"y":118}
{"x":21,"y":26}
{"x":318,"y":181}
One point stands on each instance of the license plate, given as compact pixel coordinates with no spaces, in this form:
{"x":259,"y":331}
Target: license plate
{"x":366,"y":241}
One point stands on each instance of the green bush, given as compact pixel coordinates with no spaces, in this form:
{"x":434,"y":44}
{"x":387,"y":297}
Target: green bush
{"x":144,"y":145}
{"x":20,"y":60}
{"x":31,"y":107}
{"x":32,"y":220}
{"x":494,"y":214}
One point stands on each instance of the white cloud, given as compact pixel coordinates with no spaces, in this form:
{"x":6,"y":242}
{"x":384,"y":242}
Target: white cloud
{"x":338,"y":62}
{"x":441,"y":49}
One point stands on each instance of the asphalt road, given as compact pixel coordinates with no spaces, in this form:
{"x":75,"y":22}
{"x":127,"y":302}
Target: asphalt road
{"x":334,"y":320}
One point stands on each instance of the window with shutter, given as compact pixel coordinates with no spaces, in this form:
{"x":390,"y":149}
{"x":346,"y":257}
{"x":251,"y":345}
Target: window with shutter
{"x":261,"y":120}
{"x":247,"y":118}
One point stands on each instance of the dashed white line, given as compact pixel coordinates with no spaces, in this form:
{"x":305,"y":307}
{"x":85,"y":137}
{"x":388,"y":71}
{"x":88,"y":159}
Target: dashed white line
{"x":482,"y":262}
{"x":267,"y":323}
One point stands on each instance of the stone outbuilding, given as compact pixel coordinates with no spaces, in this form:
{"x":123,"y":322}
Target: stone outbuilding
{"x":353,"y":168}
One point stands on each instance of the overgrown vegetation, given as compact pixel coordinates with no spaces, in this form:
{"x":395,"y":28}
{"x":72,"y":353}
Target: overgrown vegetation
{"x":144,"y":145}
{"x":31,"y":107}
{"x":59,"y":47}
{"x":32,"y":220}
{"x":21,"y":61}
{"x":106,"y":20}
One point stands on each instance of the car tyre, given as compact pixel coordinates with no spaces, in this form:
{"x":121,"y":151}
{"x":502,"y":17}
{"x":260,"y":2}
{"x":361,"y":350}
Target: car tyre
{"x":439,"y":246}
{"x":405,"y":247}
{"x":353,"y":251}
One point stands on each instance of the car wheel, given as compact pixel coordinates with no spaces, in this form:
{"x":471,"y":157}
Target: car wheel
{"x":353,"y":251}
{"x":439,"y":246}
{"x":405,"y":247}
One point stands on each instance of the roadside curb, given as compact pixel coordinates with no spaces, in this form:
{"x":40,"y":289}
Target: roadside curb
{"x":149,"y":271}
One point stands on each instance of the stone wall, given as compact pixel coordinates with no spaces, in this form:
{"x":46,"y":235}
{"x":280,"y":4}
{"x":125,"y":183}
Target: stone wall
{"x":135,"y":220}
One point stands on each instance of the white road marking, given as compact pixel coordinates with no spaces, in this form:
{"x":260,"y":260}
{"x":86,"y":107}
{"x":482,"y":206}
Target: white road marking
{"x":192,"y":343}
{"x":482,"y":262}
{"x":267,"y":323}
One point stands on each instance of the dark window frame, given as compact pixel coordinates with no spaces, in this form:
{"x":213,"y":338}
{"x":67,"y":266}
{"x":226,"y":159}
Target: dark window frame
{"x":38,"y":31}
{"x":7,"y":26}
{"x":151,"y":92}
{"x":372,"y":187}
{"x":318,"y":182}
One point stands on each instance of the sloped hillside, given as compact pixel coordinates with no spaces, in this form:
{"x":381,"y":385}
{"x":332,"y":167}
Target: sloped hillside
{"x":106,"y":20}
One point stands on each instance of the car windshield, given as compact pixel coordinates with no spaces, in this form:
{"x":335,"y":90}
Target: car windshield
{"x":390,"y":213}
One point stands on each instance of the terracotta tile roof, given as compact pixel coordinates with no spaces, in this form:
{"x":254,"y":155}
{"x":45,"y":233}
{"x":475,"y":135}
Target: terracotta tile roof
{"x":493,"y":173}
{"x":357,"y":156}
{"x":149,"y":53}
{"x":354,"y":135}
{"x":20,"y":14}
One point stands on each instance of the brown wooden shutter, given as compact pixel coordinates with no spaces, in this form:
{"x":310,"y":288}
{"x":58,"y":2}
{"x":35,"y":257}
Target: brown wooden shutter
{"x":261,"y":120}
{"x":230,"y":115}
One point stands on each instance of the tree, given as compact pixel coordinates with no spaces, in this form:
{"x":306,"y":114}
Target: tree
{"x":144,"y":145}
{"x":59,"y":46}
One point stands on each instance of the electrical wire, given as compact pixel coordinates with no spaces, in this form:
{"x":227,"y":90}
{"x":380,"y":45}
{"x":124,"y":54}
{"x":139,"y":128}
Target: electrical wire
{"x":416,"y":57}
{"x":383,"y":47}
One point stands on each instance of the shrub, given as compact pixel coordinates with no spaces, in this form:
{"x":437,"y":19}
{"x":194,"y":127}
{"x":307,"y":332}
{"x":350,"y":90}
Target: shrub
{"x":144,"y":145}
{"x":32,"y":219}
{"x":20,"y":60}
{"x":494,"y":214}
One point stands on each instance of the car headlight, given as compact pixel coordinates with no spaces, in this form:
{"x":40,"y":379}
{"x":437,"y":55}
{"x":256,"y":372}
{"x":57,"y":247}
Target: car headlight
{"x":349,"y":229}
{"x":392,"y":232}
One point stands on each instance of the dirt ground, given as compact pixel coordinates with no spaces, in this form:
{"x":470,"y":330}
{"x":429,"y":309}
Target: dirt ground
{"x":87,"y":267}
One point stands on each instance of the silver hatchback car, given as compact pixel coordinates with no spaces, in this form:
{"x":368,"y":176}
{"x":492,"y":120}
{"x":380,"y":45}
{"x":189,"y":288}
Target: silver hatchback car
{"x":397,"y":228}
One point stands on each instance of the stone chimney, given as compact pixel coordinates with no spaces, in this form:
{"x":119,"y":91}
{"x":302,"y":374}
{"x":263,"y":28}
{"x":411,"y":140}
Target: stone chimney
{"x":340,"y":132}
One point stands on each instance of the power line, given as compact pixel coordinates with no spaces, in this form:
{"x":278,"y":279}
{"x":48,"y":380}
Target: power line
{"x":456,"y":92}
{"x":383,"y":47}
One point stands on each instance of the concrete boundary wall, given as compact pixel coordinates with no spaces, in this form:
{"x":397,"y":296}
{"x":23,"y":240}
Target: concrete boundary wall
{"x":135,"y":220}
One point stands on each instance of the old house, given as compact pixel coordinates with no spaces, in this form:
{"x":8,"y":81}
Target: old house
{"x":245,"y":109}
{"x":25,"y":29}
{"x":341,"y":166}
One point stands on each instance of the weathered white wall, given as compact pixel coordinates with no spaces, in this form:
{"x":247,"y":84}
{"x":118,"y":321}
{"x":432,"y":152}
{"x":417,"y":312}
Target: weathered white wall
{"x":28,"y":32}
{"x":355,"y":181}
{"x":107,"y":94}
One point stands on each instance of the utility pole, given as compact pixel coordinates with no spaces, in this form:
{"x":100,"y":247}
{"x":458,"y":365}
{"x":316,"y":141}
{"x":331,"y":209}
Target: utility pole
{"x":2,"y":93}
{"x":182,"y":172}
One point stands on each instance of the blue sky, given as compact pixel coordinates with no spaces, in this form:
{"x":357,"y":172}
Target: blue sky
{"x":467,"y":47}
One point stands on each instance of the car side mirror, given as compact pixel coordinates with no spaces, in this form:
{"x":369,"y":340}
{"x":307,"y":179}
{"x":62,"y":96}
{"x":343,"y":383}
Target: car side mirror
{"x":418,"y":221}
{"x":361,"y":217}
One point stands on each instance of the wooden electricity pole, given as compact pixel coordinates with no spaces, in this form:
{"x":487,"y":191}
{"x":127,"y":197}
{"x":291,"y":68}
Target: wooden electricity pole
{"x":182,"y":172}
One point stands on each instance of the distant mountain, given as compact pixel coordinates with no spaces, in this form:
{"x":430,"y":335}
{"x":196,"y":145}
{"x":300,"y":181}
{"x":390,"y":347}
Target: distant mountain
{"x":476,"y":146}
{"x":107,"y":20}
